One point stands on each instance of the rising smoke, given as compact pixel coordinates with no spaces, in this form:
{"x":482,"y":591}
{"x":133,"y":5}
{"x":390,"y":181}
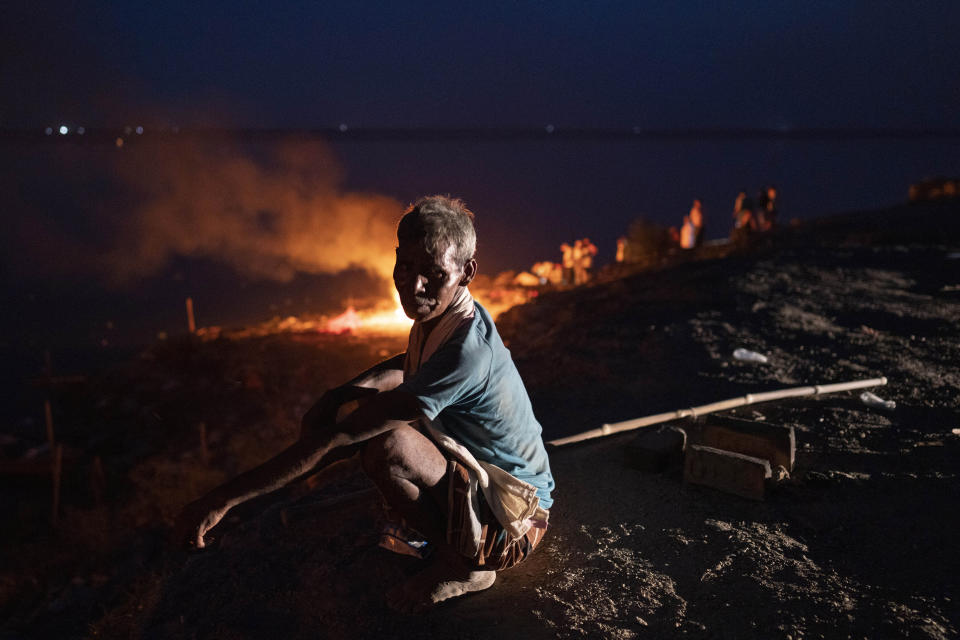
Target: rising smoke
{"x":269,"y":212}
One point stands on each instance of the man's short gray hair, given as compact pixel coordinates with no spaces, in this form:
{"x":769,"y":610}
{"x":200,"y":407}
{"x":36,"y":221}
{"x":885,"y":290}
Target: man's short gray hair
{"x":440,"y":221}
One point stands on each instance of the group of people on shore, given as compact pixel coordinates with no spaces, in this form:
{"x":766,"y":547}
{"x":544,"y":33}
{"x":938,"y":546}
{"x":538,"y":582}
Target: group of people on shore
{"x":691,"y":233}
{"x":577,"y":261}
{"x":755,"y":215}
{"x":749,"y":215}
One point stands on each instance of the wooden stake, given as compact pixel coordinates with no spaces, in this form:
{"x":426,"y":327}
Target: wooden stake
{"x":57,"y":472}
{"x":204,"y":452}
{"x":48,"y":418}
{"x":191,"y":323}
{"x":750,"y":398}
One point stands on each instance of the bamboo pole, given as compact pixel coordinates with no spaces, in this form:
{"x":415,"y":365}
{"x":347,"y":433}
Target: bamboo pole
{"x":750,"y":398}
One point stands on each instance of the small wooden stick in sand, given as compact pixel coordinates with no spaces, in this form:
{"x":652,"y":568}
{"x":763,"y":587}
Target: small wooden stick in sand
{"x":48,"y":420}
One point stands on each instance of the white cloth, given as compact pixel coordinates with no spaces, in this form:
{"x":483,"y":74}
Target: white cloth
{"x":419,"y":349}
{"x":514,"y":502}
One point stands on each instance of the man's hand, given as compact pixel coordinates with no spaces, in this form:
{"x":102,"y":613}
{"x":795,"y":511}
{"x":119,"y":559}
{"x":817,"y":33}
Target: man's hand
{"x":323,"y":414}
{"x":194,"y":522}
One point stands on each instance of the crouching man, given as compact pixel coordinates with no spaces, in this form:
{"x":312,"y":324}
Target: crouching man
{"x":445,"y":430}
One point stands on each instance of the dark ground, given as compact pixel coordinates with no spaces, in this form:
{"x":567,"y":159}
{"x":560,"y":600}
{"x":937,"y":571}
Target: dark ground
{"x":860,"y":542}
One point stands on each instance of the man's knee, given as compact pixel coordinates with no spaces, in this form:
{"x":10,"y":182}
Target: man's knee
{"x":403,"y":453}
{"x":387,"y":453}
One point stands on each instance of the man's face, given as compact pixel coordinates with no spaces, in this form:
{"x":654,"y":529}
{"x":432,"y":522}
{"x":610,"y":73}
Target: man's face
{"x":427,"y":282}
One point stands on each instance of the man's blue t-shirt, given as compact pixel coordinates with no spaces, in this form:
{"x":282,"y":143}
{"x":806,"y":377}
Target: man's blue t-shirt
{"x":471,"y":383}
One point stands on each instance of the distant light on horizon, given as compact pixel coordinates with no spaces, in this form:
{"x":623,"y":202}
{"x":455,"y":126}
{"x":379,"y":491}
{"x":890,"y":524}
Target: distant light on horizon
{"x":119,"y":142}
{"x":81,"y":130}
{"x":48,"y":131}
{"x":64,"y":129}
{"x":139,"y":130}
{"x":550,"y":128}
{"x":342,"y":127}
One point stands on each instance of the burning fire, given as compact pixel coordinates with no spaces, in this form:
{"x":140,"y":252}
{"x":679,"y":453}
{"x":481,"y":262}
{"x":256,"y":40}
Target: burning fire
{"x":391,"y":320}
{"x":388,"y":321}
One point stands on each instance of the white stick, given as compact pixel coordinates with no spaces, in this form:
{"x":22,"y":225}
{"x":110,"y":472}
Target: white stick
{"x":750,"y":398}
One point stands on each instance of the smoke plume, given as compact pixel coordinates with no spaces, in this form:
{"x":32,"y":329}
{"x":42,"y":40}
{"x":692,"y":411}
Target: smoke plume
{"x":267,"y":212}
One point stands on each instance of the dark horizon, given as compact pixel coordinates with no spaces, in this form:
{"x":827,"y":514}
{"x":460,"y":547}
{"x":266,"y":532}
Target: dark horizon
{"x":494,"y":133}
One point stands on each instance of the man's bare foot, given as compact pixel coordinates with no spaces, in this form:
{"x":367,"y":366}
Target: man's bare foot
{"x":440,"y":581}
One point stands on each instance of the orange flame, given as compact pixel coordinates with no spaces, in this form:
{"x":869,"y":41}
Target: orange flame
{"x":387,"y":320}
{"x":384,"y":321}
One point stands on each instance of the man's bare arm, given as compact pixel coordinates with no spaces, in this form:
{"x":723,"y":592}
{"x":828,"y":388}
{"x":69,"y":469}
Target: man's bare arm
{"x":382,"y":376}
{"x":385,"y":411}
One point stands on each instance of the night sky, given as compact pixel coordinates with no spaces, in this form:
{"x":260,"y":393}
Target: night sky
{"x":312,"y":64}
{"x":782,"y":67}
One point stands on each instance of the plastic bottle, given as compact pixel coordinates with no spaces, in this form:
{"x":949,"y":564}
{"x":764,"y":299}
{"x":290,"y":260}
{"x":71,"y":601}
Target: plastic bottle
{"x":873,"y":400}
{"x":749,"y":356}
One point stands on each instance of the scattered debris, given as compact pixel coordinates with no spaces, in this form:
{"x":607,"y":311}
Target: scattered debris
{"x":749,"y":356}
{"x":873,"y":400}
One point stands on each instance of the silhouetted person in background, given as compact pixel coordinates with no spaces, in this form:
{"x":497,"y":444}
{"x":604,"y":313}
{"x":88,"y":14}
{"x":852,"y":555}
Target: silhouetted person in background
{"x":578,"y":273}
{"x":688,"y":234}
{"x":771,"y":210}
{"x":621,"y":249}
{"x":738,"y":207}
{"x":566,"y":251}
{"x":767,"y":209}
{"x":696,"y":219}
{"x":744,"y":220}
{"x":674,"y":234}
{"x":587,"y":251}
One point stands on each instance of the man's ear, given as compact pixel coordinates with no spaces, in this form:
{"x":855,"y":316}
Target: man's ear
{"x":469,"y":272}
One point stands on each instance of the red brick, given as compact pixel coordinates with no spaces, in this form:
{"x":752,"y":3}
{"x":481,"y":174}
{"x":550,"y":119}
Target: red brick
{"x":735,"y":473}
{"x":758,"y":439}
